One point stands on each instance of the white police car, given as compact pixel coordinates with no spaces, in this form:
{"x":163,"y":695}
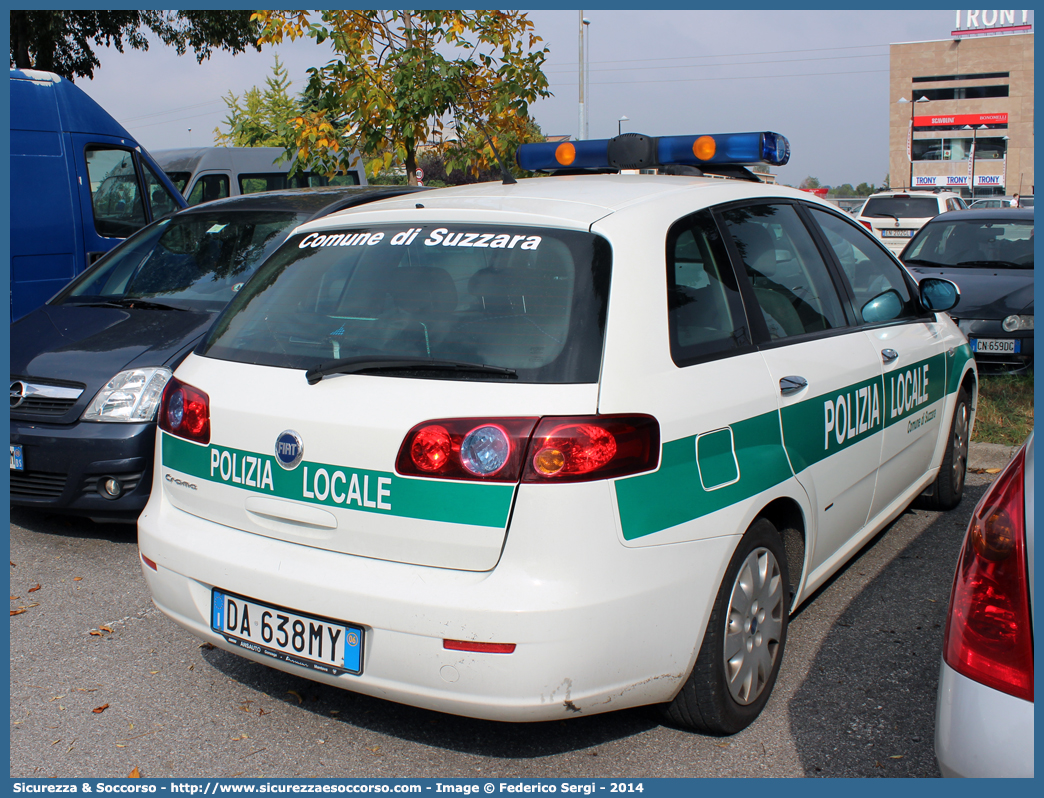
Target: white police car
{"x":556,"y":447}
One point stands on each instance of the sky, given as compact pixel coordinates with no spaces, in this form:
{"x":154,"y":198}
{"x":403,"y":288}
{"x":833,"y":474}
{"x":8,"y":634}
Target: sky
{"x":818,"y":77}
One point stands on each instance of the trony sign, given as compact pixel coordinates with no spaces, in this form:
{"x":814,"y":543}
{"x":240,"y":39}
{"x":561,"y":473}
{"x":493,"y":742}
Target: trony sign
{"x":986,"y":23}
{"x":952,"y":181}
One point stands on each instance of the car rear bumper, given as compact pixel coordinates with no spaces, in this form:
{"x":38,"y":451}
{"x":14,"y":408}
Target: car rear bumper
{"x":597,"y":626}
{"x":65,"y":466}
{"x":981,"y":732}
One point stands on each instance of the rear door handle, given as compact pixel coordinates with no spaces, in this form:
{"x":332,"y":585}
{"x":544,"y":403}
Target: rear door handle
{"x":792,"y":384}
{"x":889,"y":355}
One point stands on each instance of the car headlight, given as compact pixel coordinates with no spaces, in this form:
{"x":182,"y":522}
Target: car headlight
{"x":131,"y":396}
{"x":1015,"y":323}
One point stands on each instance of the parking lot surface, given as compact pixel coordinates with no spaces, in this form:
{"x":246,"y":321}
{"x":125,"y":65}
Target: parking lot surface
{"x":102,"y":683}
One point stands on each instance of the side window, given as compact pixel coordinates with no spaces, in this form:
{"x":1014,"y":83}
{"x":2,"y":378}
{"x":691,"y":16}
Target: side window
{"x":207,"y":188}
{"x":871,"y":272}
{"x":267,"y":181}
{"x":115,"y":193}
{"x":791,"y":281}
{"x":704,"y":310}
{"x":161,"y":200}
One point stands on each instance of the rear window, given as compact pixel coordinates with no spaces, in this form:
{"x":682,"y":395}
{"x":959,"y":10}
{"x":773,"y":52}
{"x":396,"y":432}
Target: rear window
{"x":902,"y":207}
{"x":528,"y":299}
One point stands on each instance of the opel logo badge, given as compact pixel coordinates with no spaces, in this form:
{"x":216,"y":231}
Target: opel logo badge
{"x":17,"y":393}
{"x":289,"y":449}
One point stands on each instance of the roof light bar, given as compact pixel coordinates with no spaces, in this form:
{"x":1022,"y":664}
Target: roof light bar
{"x":636,"y":151}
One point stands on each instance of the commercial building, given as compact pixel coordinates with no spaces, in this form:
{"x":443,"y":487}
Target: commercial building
{"x":970,"y":93}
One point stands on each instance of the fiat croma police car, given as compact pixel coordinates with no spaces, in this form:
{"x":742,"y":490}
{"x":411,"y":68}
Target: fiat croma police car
{"x":542,"y":449}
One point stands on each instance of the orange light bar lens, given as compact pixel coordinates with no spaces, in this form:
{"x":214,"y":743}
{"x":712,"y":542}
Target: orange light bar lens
{"x":565,"y":153}
{"x":704,"y":148}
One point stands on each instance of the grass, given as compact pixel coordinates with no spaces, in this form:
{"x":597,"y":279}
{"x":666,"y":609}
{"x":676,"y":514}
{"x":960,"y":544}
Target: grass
{"x":1005,"y":411}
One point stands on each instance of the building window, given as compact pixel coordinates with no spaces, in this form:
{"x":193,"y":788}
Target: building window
{"x":957,"y":149}
{"x":979,"y":76}
{"x":964,"y":92}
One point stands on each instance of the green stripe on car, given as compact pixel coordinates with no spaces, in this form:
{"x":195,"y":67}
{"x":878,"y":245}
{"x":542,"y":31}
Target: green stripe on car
{"x":383,"y":492}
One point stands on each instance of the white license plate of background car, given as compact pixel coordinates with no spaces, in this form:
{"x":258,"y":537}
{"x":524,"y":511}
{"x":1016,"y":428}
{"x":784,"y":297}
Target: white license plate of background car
{"x":995,"y":346}
{"x":17,"y":459}
{"x":896,"y":233}
{"x":321,"y":644}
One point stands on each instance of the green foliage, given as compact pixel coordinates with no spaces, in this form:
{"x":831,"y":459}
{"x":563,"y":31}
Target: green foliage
{"x":261,"y":118}
{"x":63,"y":41}
{"x":848,"y":190}
{"x":398,"y":78}
{"x":809,"y":182}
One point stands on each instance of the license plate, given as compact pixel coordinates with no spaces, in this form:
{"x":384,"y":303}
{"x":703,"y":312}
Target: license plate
{"x":896,"y":233}
{"x":321,"y":644}
{"x":995,"y":346}
{"x":17,"y":460}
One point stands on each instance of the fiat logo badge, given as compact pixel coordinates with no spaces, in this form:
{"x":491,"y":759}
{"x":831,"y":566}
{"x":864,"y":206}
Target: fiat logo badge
{"x":289,"y":449}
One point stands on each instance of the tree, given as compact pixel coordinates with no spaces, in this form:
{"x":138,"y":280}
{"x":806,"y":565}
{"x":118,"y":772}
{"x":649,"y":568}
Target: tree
{"x":261,"y":118}
{"x":392,"y":84}
{"x":809,"y":182}
{"x":61,"y":41}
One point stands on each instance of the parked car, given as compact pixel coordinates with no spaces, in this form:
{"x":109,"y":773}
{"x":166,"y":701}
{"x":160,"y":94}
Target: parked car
{"x":544,"y":449}
{"x":89,"y":366}
{"x":989,"y":254}
{"x":203,"y":174}
{"x":993,"y":202}
{"x":80,"y":184}
{"x":984,"y":716}
{"x":894,"y":216}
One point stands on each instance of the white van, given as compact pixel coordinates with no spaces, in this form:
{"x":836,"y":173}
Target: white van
{"x":208,"y":173}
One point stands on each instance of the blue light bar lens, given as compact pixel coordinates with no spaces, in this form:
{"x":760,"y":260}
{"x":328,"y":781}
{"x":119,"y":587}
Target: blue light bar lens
{"x":741,"y":149}
{"x":590,"y":154}
{"x":728,"y":148}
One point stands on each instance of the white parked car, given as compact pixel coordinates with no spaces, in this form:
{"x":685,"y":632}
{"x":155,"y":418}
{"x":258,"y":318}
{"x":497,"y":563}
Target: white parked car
{"x":557,"y":447}
{"x":895,"y":216}
{"x":984,"y":715}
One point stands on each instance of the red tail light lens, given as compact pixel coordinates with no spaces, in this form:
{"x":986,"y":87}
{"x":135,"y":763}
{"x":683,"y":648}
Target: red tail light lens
{"x":485,"y":449}
{"x":480,"y":648}
{"x":592,"y":447}
{"x":562,"y":449}
{"x":185,"y":411}
{"x":988,"y":633}
{"x":867,"y":225}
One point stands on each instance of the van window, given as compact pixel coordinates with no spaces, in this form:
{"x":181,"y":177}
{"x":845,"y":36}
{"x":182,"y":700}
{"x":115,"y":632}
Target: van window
{"x":209,"y":187}
{"x":161,"y":201}
{"x":115,"y":192}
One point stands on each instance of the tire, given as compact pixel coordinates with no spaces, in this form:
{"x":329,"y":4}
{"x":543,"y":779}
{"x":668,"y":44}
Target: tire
{"x":742,"y":648}
{"x":948,"y":489}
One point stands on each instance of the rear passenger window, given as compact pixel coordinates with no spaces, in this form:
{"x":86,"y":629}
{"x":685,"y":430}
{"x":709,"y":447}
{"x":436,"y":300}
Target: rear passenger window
{"x":870,"y":271}
{"x":704,"y":311}
{"x":790,"y":279}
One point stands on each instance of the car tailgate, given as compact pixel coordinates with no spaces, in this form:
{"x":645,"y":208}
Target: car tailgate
{"x":344,"y":494}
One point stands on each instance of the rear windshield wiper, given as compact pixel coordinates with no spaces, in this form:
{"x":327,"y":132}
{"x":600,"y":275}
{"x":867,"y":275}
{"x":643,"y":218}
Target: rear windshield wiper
{"x":353,"y":365}
{"x":132,"y":302}
{"x":878,"y":215}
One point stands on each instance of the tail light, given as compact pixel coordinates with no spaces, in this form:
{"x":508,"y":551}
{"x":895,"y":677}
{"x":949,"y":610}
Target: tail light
{"x":490,"y":450}
{"x":592,"y":447}
{"x":562,"y":449}
{"x":185,"y":412}
{"x":988,"y":633}
{"x":867,"y":225}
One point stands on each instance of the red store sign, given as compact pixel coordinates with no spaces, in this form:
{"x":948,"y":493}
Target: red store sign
{"x":961,"y":119}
